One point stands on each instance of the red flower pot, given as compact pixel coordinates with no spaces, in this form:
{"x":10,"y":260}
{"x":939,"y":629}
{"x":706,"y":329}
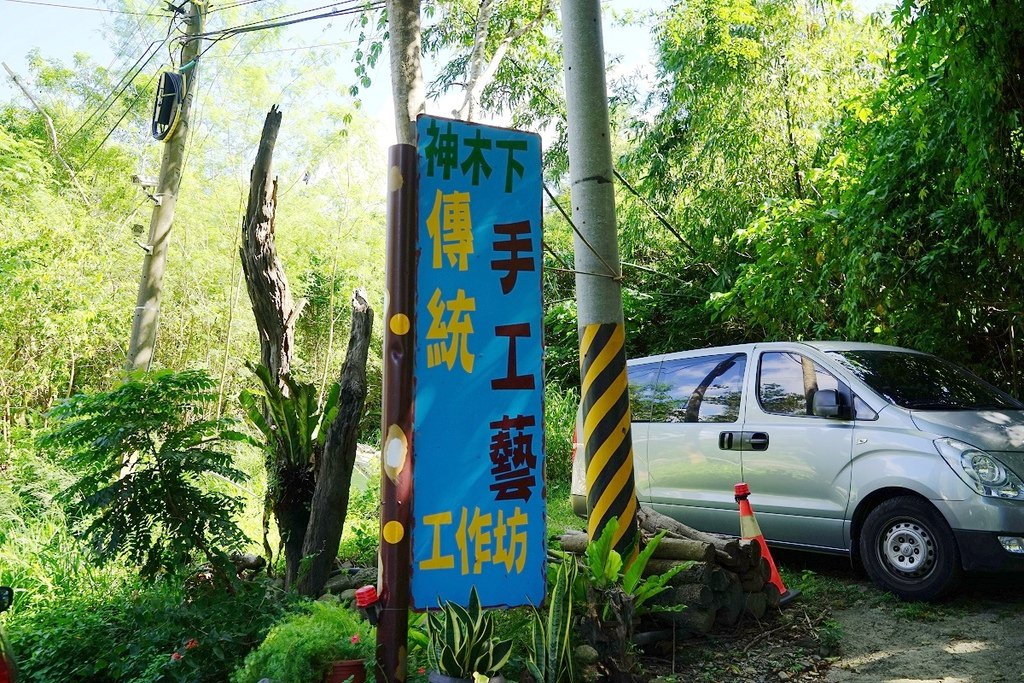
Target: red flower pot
{"x":350,"y":670}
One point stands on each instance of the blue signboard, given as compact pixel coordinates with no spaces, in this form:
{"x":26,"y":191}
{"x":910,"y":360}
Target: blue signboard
{"x":478,"y":478}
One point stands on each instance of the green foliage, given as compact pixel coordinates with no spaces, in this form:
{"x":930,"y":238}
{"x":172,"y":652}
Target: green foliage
{"x":462,"y":642}
{"x":605,"y":570}
{"x":361,"y":539}
{"x":124,"y":631}
{"x":551,"y":645}
{"x":560,"y":407}
{"x":297,"y":428}
{"x":142,"y":453}
{"x":301,"y":648}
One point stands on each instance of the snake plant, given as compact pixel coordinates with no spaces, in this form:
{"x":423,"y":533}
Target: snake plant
{"x":462,"y":640}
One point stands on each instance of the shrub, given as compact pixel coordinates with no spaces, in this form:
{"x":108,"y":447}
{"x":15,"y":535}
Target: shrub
{"x":127,"y":631}
{"x":362,"y":525}
{"x":142,"y":452}
{"x":301,"y":648}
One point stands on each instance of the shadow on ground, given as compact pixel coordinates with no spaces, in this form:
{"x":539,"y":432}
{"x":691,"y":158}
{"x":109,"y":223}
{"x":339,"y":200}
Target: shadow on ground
{"x":973,"y":636}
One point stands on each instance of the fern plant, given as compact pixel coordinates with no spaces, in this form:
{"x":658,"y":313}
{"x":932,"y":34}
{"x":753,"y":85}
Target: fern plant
{"x":143,"y":454}
{"x":297,"y":424}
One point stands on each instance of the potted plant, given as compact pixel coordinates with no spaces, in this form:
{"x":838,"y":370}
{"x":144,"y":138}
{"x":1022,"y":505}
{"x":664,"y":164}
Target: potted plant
{"x":328,"y":642}
{"x":462,"y":644}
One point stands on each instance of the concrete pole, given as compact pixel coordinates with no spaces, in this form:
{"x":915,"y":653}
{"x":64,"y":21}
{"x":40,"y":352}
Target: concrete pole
{"x":611,"y":491}
{"x":147,"y":306}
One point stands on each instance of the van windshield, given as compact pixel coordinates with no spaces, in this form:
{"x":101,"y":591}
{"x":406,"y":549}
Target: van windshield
{"x":921,"y":382}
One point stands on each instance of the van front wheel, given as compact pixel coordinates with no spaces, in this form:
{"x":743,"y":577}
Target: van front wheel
{"x":908,"y":548}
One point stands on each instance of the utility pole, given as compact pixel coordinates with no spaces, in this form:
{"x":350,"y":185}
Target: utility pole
{"x":608,"y":442}
{"x":147,"y":306}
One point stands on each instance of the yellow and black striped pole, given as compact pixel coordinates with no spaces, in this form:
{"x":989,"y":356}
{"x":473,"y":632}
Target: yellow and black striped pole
{"x":608,"y":442}
{"x":611,"y":491}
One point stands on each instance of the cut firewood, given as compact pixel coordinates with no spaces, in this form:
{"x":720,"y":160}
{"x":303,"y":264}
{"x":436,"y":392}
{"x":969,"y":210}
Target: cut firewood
{"x":756,"y":604}
{"x":693,"y":595}
{"x":692,"y":620}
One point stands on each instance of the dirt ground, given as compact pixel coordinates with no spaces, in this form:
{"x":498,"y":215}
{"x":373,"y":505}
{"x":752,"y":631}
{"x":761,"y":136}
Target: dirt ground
{"x":975,"y":637}
{"x":842,"y":629}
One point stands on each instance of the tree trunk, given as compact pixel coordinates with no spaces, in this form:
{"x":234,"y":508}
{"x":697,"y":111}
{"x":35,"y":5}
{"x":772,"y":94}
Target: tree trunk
{"x":271,"y":298}
{"x":289,"y":489}
{"x":330,"y":500}
{"x":406,"y":70}
{"x":291,"y":495}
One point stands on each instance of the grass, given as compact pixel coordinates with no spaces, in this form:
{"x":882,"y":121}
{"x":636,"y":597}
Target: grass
{"x":561,"y":518}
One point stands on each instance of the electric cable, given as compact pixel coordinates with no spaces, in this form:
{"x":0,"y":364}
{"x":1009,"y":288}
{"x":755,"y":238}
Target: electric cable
{"x":125,"y":81}
{"x":86,"y":9}
{"x":274,"y":22}
{"x":104,"y":106}
{"x":233,"y":5}
{"x":122,"y":55}
{"x":110,"y":132}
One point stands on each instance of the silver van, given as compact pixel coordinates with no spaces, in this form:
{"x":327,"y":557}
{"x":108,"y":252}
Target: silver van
{"x":899,"y":459}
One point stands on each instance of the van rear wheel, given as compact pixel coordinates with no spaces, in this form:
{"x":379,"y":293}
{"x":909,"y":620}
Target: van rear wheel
{"x":908,"y":548}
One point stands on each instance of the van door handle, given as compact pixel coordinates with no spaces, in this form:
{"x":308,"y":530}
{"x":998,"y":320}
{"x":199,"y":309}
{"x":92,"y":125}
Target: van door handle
{"x":758,"y":441}
{"x":725,"y":441}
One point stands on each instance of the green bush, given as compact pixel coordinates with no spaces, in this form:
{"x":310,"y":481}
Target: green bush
{"x":142,"y":453}
{"x":127,"y":631}
{"x":361,"y":539}
{"x":301,"y":648}
{"x":559,"y":421}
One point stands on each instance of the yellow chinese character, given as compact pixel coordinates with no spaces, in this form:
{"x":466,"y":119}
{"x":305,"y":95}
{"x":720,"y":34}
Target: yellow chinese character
{"x":437,"y":560}
{"x":479,"y":531}
{"x":451,"y":229}
{"x":501,"y":553}
{"x":517,"y":538}
{"x":510,"y":541}
{"x":452,"y":335}
{"x":460,"y":540}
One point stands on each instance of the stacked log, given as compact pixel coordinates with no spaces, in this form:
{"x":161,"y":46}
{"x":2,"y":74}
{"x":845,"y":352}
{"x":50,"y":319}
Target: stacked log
{"x":728,"y":577}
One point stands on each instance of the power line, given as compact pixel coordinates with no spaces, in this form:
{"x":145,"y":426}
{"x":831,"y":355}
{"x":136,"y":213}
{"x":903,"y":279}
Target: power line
{"x":293,"y":49}
{"x":122,"y":55}
{"x":122,"y":85}
{"x":118,"y":123}
{"x":86,"y":9}
{"x":217,"y":36}
{"x":208,"y":34}
{"x":237,"y":4}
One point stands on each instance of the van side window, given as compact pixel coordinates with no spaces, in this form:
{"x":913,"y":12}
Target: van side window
{"x":642,"y":390}
{"x":703,"y":389}
{"x":787,"y":382}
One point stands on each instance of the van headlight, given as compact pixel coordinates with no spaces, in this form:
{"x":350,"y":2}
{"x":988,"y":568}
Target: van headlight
{"x":980,"y":470}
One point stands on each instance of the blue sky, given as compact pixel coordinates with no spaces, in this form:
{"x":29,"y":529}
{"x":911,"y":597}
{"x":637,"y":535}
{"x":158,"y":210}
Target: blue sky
{"x":61,"y":32}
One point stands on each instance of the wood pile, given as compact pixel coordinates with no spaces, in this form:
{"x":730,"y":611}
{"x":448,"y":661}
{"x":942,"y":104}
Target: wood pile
{"x":728,"y":578}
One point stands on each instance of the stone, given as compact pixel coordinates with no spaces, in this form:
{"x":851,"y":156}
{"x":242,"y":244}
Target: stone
{"x":585,"y":655}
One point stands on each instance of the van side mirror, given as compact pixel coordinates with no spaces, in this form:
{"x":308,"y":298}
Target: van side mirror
{"x":6,"y":598}
{"x":826,"y":403}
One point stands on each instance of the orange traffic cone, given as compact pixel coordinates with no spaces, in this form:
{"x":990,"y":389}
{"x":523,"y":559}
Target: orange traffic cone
{"x":750,"y":530}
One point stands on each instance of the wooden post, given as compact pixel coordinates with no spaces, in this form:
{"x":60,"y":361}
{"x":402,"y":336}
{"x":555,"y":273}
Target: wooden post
{"x":399,"y":346}
{"x":147,"y":305}
{"x":397,"y":418}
